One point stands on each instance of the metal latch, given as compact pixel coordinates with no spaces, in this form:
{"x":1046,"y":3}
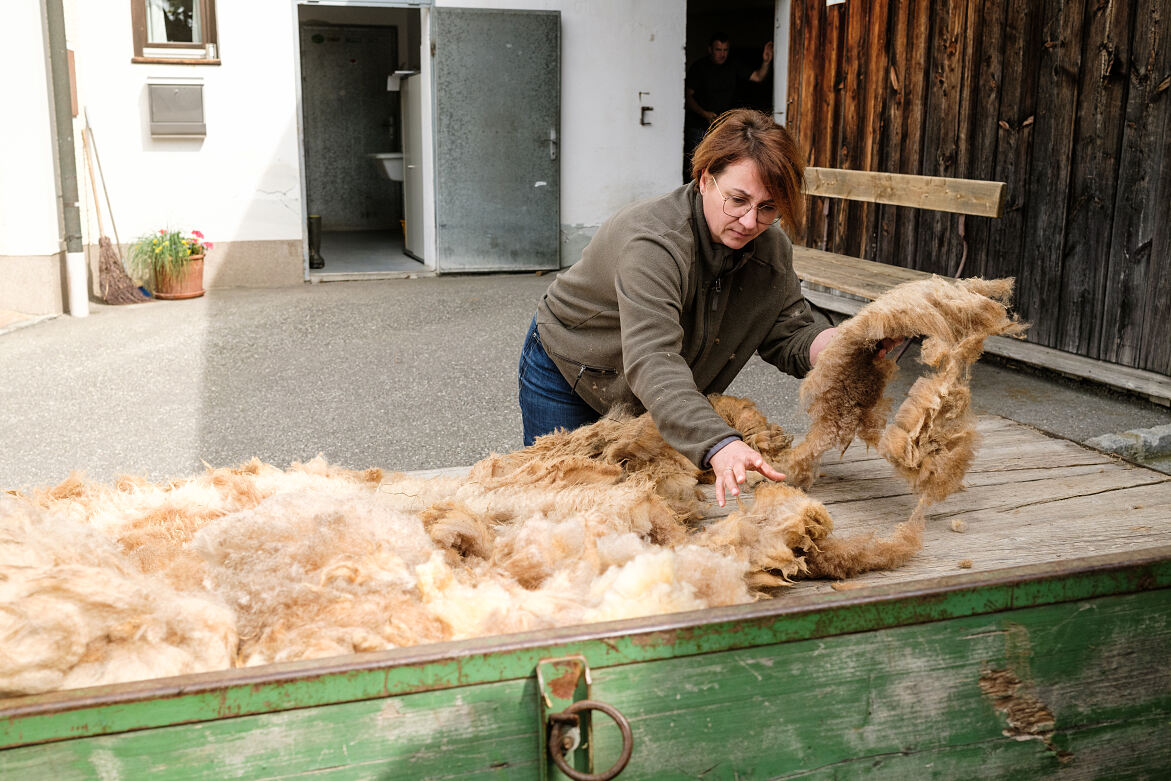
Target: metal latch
{"x":563,"y":692}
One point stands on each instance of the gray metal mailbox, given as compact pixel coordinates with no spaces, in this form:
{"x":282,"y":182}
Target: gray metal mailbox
{"x":176,"y":109}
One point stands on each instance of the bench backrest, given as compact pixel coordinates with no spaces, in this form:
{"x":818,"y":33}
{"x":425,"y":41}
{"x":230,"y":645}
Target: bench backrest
{"x":938,"y":193}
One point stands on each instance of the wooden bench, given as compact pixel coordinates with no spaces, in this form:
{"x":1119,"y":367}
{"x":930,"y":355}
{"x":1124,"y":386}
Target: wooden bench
{"x":844,"y":284}
{"x":865,"y":280}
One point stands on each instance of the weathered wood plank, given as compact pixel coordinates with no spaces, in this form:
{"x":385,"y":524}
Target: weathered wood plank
{"x":911,"y":702}
{"x":937,"y":240}
{"x":968,"y":96}
{"x":1154,"y":386}
{"x":915,"y":84}
{"x":1130,"y":261}
{"x":961,"y":196}
{"x":1094,"y":175}
{"x":1155,"y":339}
{"x":874,"y":128}
{"x":826,"y":134}
{"x":847,"y":233}
{"x":1013,"y":144}
{"x":987,"y":78}
{"x":894,"y":108}
{"x":1044,"y":238}
{"x":793,"y":102}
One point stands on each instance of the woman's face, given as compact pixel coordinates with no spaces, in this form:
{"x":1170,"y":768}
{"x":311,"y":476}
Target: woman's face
{"x":739,"y":182}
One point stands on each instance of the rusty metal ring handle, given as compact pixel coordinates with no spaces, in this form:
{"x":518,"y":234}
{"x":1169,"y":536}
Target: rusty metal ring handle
{"x":555,"y":749}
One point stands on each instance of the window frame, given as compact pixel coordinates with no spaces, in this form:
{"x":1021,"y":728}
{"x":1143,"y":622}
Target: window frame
{"x":138,"y":26}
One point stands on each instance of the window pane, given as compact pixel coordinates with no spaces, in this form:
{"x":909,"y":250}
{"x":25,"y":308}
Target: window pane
{"x":173,"y":21}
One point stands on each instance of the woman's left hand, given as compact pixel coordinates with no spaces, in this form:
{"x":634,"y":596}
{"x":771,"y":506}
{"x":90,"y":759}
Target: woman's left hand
{"x":888,"y":344}
{"x":825,"y":337}
{"x":731,"y":464}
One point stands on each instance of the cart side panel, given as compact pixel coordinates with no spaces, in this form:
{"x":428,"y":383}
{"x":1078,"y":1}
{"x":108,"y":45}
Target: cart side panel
{"x":470,"y":731}
{"x":1081,"y":686}
{"x":1025,"y":693}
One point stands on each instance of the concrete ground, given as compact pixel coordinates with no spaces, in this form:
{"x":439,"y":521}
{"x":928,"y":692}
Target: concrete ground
{"x":401,"y":374}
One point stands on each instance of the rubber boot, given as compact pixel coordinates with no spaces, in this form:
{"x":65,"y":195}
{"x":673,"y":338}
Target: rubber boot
{"x":315,"y":259}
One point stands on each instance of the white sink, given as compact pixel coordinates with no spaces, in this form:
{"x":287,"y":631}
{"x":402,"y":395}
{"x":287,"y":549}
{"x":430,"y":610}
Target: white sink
{"x":390,"y":164}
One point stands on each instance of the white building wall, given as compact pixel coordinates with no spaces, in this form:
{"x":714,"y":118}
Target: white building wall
{"x":30,"y":235}
{"x":240,"y":183}
{"x":28,"y":190}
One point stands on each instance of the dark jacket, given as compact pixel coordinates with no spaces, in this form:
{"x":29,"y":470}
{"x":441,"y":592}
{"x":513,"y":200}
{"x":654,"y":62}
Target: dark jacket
{"x":656,"y":316}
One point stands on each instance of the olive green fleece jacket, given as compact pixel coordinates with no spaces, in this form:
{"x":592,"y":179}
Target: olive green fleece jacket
{"x":655,"y":316}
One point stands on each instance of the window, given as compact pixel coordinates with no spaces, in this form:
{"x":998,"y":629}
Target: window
{"x":174,"y":31}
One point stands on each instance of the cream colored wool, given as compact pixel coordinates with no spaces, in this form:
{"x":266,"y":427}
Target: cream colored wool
{"x":320,"y":573}
{"x":75,"y":612}
{"x":316,"y":562}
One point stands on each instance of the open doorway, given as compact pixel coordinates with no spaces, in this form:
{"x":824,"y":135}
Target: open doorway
{"x":354,"y":63}
{"x":729,"y":73}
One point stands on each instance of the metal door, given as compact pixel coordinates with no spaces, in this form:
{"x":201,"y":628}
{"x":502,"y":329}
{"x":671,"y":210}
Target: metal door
{"x":497,"y":134}
{"x":412,"y":98}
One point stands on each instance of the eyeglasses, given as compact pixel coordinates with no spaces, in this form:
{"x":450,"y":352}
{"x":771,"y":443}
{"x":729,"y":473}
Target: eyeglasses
{"x":737,"y":206}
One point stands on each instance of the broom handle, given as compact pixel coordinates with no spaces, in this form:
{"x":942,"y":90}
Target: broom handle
{"x":102,"y":175}
{"x":92,"y":183}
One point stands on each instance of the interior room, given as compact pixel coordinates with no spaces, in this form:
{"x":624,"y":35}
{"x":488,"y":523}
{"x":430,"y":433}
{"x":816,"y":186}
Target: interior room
{"x":360,"y":110}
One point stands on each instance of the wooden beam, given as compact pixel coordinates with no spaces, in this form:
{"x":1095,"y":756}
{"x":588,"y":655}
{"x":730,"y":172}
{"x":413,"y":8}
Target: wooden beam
{"x":940,"y":193}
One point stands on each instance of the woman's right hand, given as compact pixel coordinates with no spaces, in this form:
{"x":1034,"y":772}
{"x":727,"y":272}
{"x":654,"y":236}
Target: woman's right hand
{"x":731,"y":464}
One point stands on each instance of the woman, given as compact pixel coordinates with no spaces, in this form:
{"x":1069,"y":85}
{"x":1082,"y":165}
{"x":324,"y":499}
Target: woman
{"x":673,"y":295}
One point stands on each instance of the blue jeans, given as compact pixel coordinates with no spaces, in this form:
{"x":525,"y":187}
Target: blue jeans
{"x":547,"y":402}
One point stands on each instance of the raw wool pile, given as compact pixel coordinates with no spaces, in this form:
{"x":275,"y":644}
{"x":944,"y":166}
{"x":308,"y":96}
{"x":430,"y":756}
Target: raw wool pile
{"x":110,"y":583}
{"x":75,"y":611}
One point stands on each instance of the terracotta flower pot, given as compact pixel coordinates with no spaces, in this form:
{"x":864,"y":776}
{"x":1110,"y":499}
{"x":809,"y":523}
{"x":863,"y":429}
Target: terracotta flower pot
{"x":188,"y":283}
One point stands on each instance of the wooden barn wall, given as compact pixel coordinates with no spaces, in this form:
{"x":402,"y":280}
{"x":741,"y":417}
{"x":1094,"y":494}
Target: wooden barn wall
{"x":1067,"y":102}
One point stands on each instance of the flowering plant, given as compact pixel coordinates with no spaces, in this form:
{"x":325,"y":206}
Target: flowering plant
{"x":163,"y":252}
{"x":197,"y":244}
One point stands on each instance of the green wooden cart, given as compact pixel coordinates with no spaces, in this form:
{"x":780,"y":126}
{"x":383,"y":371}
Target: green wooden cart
{"x":1049,"y":656}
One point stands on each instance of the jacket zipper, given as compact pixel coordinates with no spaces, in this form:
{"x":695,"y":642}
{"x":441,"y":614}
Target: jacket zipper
{"x":712,"y":291}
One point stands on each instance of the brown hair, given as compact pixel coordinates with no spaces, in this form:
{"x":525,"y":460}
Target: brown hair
{"x":747,"y":134}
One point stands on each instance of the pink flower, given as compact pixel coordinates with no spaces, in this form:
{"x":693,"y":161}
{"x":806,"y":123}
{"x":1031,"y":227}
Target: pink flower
{"x":197,"y":234}
{"x":162,"y":232}
{"x":208,"y":244}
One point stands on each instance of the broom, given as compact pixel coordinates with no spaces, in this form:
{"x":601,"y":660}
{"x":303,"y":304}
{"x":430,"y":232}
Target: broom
{"x":114,"y":284}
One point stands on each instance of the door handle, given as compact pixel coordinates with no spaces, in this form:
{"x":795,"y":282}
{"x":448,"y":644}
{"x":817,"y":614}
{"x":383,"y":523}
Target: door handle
{"x":552,"y":143}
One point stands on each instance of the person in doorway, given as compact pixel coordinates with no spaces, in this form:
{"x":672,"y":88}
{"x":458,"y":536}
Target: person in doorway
{"x":715,"y":85}
{"x":671,"y":298}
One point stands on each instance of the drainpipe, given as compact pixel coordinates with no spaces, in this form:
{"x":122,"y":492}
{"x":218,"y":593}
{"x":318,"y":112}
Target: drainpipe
{"x":61,"y":113}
